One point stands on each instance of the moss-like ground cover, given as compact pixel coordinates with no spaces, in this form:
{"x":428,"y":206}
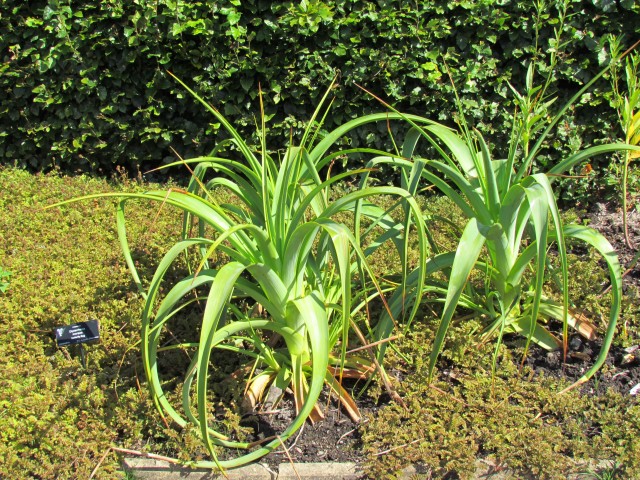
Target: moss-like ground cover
{"x":57,"y":419}
{"x":512,"y":421}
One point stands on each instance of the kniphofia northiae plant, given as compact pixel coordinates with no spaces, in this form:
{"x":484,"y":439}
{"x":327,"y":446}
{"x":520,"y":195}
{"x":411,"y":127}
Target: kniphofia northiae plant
{"x":285,"y":252}
{"x":512,"y":213}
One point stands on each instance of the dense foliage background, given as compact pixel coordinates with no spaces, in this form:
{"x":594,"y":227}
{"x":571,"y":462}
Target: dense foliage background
{"x":84,"y":86}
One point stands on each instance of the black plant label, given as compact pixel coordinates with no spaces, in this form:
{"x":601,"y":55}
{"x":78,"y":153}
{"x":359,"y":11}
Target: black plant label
{"x":82,"y":332}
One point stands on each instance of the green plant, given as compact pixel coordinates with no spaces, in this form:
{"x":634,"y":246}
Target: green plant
{"x":611,"y":472}
{"x":83,"y":85}
{"x":5,"y":280}
{"x":308,"y":15}
{"x":510,"y":211}
{"x":274,"y":276}
{"x":628,"y":107}
{"x":60,"y":411}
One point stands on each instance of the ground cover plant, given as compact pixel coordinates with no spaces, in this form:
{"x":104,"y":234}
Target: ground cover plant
{"x":53,"y":410}
{"x":57,"y":418}
{"x":512,"y":419}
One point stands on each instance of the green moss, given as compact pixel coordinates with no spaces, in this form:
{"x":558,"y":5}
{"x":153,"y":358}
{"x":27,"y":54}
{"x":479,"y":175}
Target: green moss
{"x":517,"y":421}
{"x":57,"y":418}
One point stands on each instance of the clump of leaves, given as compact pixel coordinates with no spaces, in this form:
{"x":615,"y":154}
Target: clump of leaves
{"x":282,"y":297}
{"x":512,"y":213}
{"x":308,"y":15}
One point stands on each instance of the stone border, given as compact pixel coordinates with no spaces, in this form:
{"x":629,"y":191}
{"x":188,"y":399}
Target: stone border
{"x":150,"y":469}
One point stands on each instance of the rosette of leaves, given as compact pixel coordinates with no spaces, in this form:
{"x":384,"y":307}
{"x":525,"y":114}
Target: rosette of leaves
{"x":284,"y":300}
{"x":512,"y":214}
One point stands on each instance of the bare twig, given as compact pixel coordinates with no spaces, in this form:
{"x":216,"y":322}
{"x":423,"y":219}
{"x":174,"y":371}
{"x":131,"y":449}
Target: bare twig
{"x":345,"y":435}
{"x":439,"y":390}
{"x":294,"y":441}
{"x":297,"y":436}
{"x":370,"y":345}
{"x":95,"y":470}
{"x":260,"y":442}
{"x":350,"y":432}
{"x":385,"y":380}
{"x":153,"y":456}
{"x":629,"y":50}
{"x":286,"y":451}
{"x":634,"y":263}
{"x":384,"y":452}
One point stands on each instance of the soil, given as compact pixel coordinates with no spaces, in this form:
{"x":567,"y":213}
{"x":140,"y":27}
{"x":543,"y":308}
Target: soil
{"x":337,"y":437}
{"x":607,"y":219}
{"x":621,"y":371}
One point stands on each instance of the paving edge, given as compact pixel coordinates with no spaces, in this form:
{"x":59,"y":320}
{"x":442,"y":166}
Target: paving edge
{"x":150,"y":469}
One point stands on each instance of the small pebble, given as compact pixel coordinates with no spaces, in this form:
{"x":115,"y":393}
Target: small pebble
{"x":553,"y":357}
{"x":575,"y":343}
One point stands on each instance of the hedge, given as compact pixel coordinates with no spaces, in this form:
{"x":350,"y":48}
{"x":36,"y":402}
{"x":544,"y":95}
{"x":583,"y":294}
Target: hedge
{"x":84,"y":86}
